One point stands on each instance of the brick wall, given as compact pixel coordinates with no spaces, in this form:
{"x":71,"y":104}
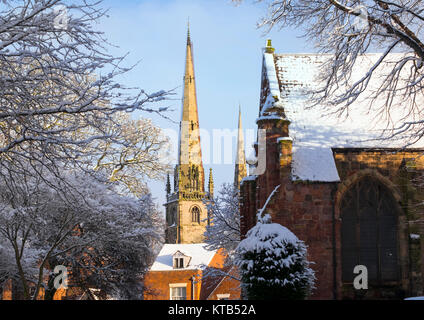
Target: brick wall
{"x":398,"y":171}
{"x":157,"y":283}
{"x":311,"y":210}
{"x":227,"y":285}
{"x":306,"y":209}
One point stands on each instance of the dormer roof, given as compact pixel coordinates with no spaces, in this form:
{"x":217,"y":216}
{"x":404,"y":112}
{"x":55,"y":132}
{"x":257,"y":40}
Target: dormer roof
{"x":197,"y":252}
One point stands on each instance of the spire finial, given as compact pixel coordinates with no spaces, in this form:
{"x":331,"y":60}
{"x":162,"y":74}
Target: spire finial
{"x":269,"y":48}
{"x":239,"y":119}
{"x":188,"y":30}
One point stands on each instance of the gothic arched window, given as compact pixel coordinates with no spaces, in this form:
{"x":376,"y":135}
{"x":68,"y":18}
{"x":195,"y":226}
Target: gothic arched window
{"x":195,"y":214}
{"x":369,"y":232}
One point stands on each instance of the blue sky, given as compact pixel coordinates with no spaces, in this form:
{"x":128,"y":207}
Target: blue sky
{"x":227,"y":57}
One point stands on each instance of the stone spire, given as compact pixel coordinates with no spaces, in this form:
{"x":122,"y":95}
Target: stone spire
{"x":168,"y":184}
{"x":240,"y":170}
{"x":210,"y":184}
{"x":190,"y":154}
{"x":186,"y":211}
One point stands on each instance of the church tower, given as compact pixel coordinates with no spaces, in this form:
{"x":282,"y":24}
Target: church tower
{"x":186,"y":214}
{"x":240,"y":170}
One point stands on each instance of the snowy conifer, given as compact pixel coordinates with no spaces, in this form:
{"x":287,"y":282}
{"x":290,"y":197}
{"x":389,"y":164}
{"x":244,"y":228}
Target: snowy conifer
{"x":272,"y":262}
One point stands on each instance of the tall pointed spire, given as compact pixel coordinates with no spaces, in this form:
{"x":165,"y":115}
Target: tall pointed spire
{"x":186,"y":211}
{"x":240,"y":170}
{"x":190,"y":154}
{"x":210,"y":184}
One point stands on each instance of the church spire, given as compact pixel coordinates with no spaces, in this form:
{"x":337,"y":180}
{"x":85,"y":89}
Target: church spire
{"x":210,"y":184}
{"x":190,"y":154}
{"x":240,"y":170}
{"x":186,"y":211}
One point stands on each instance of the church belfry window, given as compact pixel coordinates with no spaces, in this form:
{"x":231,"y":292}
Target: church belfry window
{"x":369,"y":233}
{"x":195,"y":214}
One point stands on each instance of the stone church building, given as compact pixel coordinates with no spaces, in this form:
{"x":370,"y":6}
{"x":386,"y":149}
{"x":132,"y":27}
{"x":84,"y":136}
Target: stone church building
{"x":349,"y":196}
{"x":186,"y":214}
{"x":179,"y":270}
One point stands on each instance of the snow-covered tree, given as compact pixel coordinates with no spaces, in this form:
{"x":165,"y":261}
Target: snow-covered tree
{"x":224,"y":214}
{"x":139,"y":152}
{"x":63,"y":115}
{"x":346,"y":29}
{"x":223,"y":232}
{"x":60,"y":100}
{"x":78,"y":220}
{"x":273,"y":264}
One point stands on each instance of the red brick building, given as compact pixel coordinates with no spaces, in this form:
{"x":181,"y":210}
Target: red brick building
{"x":350,"y":197}
{"x":179,"y":274}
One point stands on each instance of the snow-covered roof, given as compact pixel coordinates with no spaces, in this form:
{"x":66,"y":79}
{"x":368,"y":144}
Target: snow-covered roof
{"x":315,"y":130}
{"x":248,"y":178}
{"x":200,"y":256}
